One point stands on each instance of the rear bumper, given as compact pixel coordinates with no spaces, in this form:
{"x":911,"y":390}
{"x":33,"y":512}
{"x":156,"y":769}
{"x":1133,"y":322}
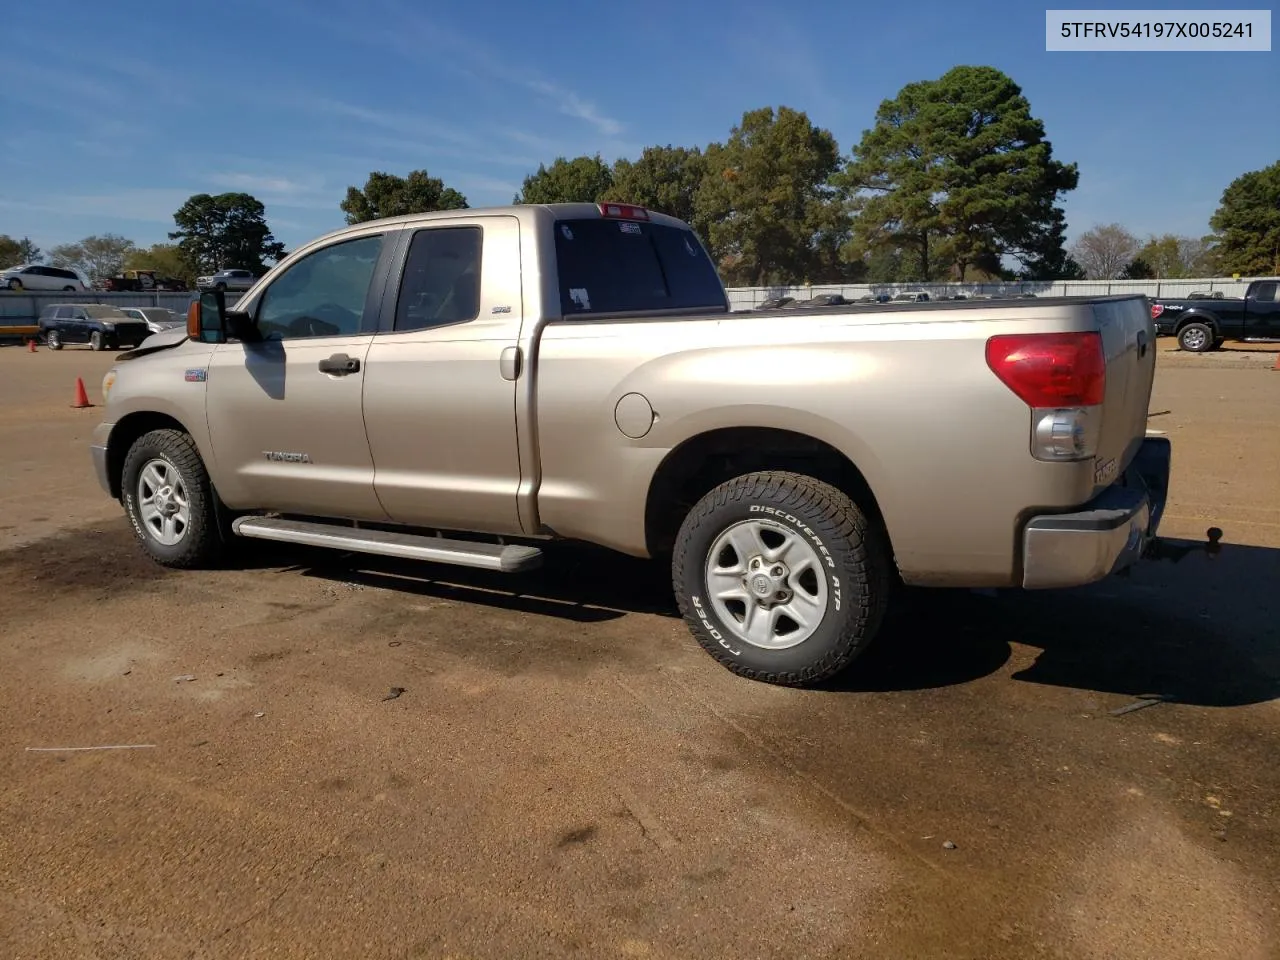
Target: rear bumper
{"x":1108,"y":534}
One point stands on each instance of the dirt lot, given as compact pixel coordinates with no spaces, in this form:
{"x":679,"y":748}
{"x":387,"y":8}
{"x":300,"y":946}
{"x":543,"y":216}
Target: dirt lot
{"x":567,"y":774}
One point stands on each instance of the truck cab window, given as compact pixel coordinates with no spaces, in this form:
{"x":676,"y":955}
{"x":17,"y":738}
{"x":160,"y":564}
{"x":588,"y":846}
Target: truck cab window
{"x":441,"y":283}
{"x":323,"y":294}
{"x":619,"y":266}
{"x":1265,"y":293}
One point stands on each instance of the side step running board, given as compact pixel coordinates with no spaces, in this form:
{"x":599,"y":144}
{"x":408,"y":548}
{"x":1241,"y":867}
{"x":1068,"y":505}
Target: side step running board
{"x":385,"y":543}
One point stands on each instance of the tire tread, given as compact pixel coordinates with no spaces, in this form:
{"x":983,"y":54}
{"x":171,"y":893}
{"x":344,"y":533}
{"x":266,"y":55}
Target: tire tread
{"x":867,"y":565}
{"x":202,"y":545}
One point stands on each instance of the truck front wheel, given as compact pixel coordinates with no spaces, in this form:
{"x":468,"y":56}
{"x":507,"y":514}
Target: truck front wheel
{"x":781,"y":577}
{"x":169,"y":500}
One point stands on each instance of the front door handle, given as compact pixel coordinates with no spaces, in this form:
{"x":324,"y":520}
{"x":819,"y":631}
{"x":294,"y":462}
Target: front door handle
{"x":339,"y":365}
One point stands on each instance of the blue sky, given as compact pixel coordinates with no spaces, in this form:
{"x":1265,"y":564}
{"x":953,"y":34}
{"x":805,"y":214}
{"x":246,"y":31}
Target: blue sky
{"x":116,"y":116}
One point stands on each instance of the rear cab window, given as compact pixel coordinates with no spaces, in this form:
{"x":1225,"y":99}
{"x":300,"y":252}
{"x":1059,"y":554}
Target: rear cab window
{"x":622,"y":266}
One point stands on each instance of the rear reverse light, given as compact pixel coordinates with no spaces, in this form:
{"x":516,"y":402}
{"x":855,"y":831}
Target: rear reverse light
{"x":623,"y":211}
{"x":1050,"y":369}
{"x":1062,"y":378}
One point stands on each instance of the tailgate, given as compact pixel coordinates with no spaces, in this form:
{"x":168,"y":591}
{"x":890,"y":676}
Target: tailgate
{"x":1129,"y":344}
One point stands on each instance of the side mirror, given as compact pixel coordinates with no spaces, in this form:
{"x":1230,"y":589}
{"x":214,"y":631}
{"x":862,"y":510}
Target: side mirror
{"x":206,"y":317}
{"x":209,"y":320}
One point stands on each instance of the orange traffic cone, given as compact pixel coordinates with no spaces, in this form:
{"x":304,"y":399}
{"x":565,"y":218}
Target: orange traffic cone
{"x":1277,"y":366}
{"x":82,"y":398}
{"x":31,"y":346}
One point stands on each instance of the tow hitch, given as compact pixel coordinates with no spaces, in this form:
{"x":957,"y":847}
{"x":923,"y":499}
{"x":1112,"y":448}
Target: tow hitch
{"x":1167,"y":548}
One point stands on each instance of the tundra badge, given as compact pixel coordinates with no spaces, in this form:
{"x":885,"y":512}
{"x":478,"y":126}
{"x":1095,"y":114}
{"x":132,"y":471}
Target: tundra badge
{"x":1104,"y":471}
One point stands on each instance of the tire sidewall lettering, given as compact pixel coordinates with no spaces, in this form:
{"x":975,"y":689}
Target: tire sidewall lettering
{"x":710,"y":627}
{"x":782,"y":515}
{"x":130,"y":496}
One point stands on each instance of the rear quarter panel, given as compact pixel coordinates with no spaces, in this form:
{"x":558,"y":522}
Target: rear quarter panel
{"x":906,"y":396}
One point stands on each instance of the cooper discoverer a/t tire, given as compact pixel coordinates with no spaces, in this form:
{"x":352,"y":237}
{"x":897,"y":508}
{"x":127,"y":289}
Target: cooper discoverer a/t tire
{"x":781,"y":578}
{"x":169,"y":500}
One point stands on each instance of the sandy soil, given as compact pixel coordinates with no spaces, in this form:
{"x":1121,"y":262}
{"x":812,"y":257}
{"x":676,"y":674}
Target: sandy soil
{"x":567,"y":775}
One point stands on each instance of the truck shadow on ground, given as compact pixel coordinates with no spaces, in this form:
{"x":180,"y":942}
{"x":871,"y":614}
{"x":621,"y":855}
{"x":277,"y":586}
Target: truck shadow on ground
{"x":1204,"y":630}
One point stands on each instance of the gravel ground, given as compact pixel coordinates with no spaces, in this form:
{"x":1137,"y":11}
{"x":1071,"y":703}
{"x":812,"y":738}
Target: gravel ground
{"x":567,"y":775}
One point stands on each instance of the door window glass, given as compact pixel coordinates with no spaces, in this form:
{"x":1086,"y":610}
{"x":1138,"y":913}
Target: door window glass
{"x":323,"y":294}
{"x":441,"y":283}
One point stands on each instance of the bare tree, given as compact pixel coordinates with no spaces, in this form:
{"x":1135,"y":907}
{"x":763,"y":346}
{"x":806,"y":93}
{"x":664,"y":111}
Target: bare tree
{"x":96,"y":256}
{"x":1105,"y":251}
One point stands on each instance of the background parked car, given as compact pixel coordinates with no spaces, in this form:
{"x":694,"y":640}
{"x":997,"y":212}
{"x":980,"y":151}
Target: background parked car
{"x":146,"y":280}
{"x":35,"y":276}
{"x":157,"y":319}
{"x":96,"y":324}
{"x":227,"y":280}
{"x":826,"y":300}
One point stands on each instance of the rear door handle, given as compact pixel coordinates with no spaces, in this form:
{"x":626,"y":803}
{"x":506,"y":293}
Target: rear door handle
{"x":1142,"y":344}
{"x":339,"y":365}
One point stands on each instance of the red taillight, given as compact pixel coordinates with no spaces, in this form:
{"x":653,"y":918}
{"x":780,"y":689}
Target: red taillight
{"x":623,"y":211}
{"x":1156,"y":310}
{"x":1050,"y":369}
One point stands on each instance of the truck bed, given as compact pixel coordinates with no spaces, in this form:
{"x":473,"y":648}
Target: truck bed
{"x":903,"y":390}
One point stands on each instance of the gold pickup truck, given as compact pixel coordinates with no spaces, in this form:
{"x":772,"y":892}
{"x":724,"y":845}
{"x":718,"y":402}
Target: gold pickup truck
{"x":462,"y":386}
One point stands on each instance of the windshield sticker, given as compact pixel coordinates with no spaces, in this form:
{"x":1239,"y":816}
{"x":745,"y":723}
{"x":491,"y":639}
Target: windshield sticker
{"x":627,"y":227}
{"x":564,"y":229}
{"x":580,"y":296}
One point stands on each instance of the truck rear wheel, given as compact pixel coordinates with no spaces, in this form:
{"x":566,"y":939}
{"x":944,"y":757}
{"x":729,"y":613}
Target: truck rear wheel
{"x":1196,"y":338}
{"x":169,"y":499}
{"x":781,"y":577}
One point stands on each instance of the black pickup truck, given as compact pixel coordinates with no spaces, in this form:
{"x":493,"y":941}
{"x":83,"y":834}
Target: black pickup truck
{"x":1203,"y":322}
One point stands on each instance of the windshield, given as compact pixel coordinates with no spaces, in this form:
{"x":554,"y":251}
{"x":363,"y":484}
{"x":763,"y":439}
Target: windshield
{"x":619,"y":266}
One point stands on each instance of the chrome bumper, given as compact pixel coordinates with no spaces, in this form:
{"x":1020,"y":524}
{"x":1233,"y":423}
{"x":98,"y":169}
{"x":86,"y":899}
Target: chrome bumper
{"x":1109,"y":534}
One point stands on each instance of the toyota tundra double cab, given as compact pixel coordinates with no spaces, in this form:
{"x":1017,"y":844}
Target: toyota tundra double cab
{"x":461,"y":387}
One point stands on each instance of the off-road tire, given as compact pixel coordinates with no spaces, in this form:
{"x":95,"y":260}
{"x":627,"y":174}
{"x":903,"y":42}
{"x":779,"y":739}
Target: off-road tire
{"x":1199,"y":335}
{"x":201,"y":545}
{"x":859,"y":572}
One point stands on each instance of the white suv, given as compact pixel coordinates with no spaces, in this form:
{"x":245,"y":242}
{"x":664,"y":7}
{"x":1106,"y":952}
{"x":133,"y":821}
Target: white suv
{"x":34,"y":276}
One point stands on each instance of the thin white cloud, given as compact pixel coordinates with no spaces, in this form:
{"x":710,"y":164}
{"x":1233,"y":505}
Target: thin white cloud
{"x":570,"y":104}
{"x":137,"y":204}
{"x":403,"y":123}
{"x":250,"y":182}
{"x":454,"y":51}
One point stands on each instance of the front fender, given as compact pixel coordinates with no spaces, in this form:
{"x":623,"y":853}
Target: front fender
{"x":160,"y":389}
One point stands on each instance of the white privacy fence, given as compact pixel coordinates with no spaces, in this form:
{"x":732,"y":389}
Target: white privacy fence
{"x":745,"y":298}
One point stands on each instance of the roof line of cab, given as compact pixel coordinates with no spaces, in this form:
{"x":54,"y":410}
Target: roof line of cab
{"x":523,"y":211}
